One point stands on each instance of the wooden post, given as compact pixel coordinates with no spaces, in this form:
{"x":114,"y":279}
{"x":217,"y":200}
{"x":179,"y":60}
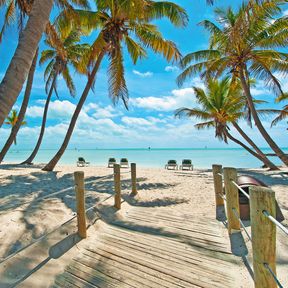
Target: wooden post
{"x":80,"y":203}
{"x":133,"y":179}
{"x":117,"y":186}
{"x":217,"y":169}
{"x":232,"y":199}
{"x":263,"y":235}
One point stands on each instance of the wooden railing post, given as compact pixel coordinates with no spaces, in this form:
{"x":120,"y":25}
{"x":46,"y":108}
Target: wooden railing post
{"x":133,"y":179}
{"x":232,"y":199}
{"x":263,"y":235}
{"x":217,"y":169}
{"x":80,"y":203}
{"x":117,"y":186}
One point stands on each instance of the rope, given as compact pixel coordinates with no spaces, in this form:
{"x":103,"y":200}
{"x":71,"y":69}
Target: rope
{"x":277,"y":223}
{"x":53,"y":194}
{"x":43,"y":236}
{"x":33,"y":242}
{"x":273,"y":275}
{"x":222,"y":196}
{"x":94,"y":206}
{"x":243,"y":191}
{"x":219,"y":174}
{"x":241,"y":223}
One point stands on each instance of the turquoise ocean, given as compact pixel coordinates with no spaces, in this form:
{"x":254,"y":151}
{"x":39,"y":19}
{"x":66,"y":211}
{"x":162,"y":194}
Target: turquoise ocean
{"x":201,"y":158}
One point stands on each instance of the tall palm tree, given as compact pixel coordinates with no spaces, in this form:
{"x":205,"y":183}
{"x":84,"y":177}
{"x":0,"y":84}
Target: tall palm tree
{"x":64,"y":52}
{"x":19,"y":10}
{"x":123,"y":23}
{"x":12,"y":120}
{"x":22,"y":111}
{"x":17,"y":72}
{"x":222,"y":105}
{"x":243,"y":44}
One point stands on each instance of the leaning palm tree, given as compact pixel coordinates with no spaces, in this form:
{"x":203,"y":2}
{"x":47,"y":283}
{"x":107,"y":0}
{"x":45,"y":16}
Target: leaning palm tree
{"x":243,"y":44}
{"x":38,"y":12}
{"x":63,"y":53}
{"x":12,"y":120}
{"x":123,"y":23}
{"x":223,"y":104}
{"x":22,"y":112}
{"x":17,"y":72}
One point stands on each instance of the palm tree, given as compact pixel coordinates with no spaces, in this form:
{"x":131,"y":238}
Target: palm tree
{"x":17,"y":72}
{"x":12,"y":120}
{"x":64,"y":52}
{"x":19,"y":10}
{"x":243,"y":45}
{"x":22,"y":111}
{"x":123,"y":23}
{"x":223,"y":104}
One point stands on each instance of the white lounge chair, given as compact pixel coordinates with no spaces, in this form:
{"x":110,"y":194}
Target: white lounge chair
{"x":111,"y":162}
{"x":187,"y":165}
{"x":82,"y":163}
{"x":171,"y":164}
{"x":124,"y":163}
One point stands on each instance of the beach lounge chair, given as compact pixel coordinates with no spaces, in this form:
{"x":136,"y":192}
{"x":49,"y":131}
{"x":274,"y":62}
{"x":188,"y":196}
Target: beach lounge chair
{"x":124,"y":163}
{"x":82,"y":163}
{"x":171,"y":164}
{"x":186,"y":165}
{"x":111,"y":162}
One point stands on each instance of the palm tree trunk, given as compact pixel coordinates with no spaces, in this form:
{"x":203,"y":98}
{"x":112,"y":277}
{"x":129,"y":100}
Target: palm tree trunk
{"x":17,"y":72}
{"x":53,"y":162}
{"x":43,"y":126}
{"x":244,"y":146}
{"x":267,"y":162}
{"x":258,"y":123}
{"x":22,"y":112}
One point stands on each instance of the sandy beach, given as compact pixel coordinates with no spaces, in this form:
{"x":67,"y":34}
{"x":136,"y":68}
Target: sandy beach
{"x":24,"y":217}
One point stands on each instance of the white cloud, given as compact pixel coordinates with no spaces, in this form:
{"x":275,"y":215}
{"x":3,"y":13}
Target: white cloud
{"x":143,"y":74}
{"x":57,"y":109}
{"x":179,"y":98}
{"x":134,"y":121}
{"x":171,"y":69}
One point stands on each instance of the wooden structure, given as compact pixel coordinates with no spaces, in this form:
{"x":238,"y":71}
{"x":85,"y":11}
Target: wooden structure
{"x":117,"y":186}
{"x":133,"y":179}
{"x":263,"y":224}
{"x":80,"y":203}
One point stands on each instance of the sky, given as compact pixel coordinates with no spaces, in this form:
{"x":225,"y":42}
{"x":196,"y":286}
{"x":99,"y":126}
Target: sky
{"x":153,"y":92}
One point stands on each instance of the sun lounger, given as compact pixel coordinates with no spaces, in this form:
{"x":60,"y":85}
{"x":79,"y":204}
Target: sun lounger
{"x":171,"y":164}
{"x":186,"y":165}
{"x":124,"y":163}
{"x":82,"y":163}
{"x":111,"y":162}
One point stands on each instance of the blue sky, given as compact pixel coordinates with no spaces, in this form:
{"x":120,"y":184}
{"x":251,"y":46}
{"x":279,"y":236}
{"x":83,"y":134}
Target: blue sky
{"x":153,"y":92}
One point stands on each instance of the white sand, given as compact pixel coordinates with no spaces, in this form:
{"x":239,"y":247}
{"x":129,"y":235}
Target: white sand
{"x":23,"y":219}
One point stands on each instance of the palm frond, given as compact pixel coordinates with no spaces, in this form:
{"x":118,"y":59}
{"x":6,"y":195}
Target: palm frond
{"x":116,"y":79}
{"x":158,"y":10}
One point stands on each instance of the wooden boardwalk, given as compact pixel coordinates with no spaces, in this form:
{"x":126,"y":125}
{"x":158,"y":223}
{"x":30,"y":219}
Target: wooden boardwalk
{"x":152,"y":247}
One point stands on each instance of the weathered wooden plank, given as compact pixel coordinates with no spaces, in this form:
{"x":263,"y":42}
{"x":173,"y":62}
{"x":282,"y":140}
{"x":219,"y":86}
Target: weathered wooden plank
{"x":96,"y":278}
{"x":162,"y":266}
{"x":199,"y":264}
{"x":177,"y":247}
{"x":123,"y":265}
{"x":138,"y":267}
{"x":166,"y":259}
{"x":184,"y":237}
{"x":107,"y":268}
